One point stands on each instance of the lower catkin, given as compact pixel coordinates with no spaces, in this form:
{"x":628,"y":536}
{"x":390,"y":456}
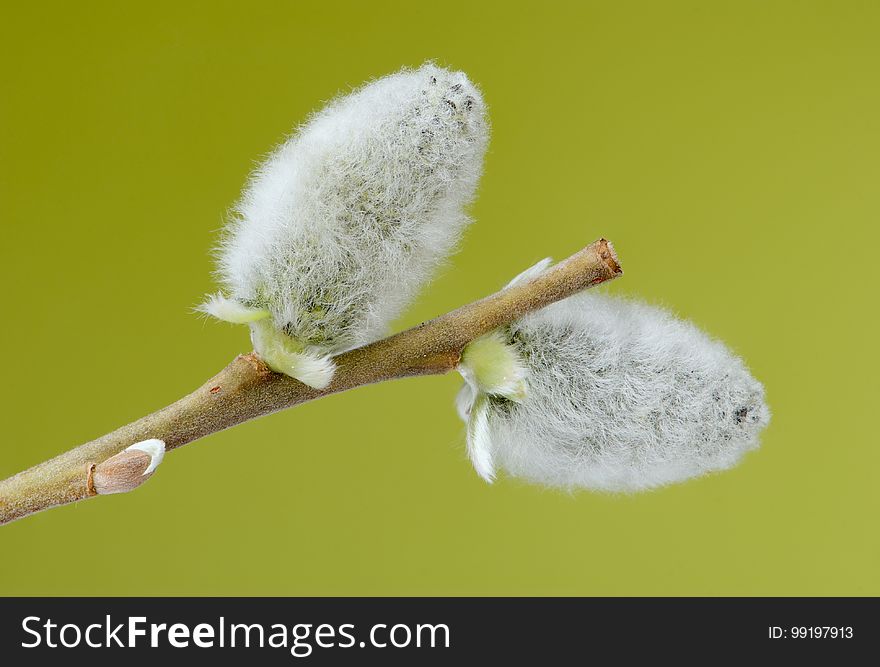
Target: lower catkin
{"x":621,"y":396}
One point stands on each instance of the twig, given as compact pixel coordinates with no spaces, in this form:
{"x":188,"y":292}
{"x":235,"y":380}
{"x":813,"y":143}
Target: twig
{"x":247,"y":389}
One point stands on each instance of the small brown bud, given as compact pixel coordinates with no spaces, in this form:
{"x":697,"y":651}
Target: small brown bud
{"x":129,"y":468}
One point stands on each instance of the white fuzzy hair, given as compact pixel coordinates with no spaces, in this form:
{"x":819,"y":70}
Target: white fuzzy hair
{"x":343,"y":224}
{"x":621,"y":396}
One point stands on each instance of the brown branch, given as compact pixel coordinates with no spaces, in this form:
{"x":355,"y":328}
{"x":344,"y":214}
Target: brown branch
{"x":247,"y":389}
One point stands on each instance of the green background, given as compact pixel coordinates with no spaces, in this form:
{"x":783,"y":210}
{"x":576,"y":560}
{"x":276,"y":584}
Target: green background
{"x":730,"y":151}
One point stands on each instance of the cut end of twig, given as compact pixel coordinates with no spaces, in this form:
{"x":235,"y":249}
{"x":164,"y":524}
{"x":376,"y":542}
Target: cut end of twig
{"x":128,"y":469}
{"x":607,"y":255}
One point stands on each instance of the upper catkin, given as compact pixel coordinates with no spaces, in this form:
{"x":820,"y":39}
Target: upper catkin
{"x":620,"y":396}
{"x":347,"y":219}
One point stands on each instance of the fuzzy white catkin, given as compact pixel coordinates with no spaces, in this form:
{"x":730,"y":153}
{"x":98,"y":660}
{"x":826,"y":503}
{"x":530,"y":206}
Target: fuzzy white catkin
{"x":620,"y":396}
{"x":342,"y":225}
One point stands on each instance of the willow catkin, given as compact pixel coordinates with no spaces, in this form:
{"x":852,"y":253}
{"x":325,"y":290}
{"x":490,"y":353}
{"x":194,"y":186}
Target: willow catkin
{"x":619,"y":396}
{"x":343,"y":224}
